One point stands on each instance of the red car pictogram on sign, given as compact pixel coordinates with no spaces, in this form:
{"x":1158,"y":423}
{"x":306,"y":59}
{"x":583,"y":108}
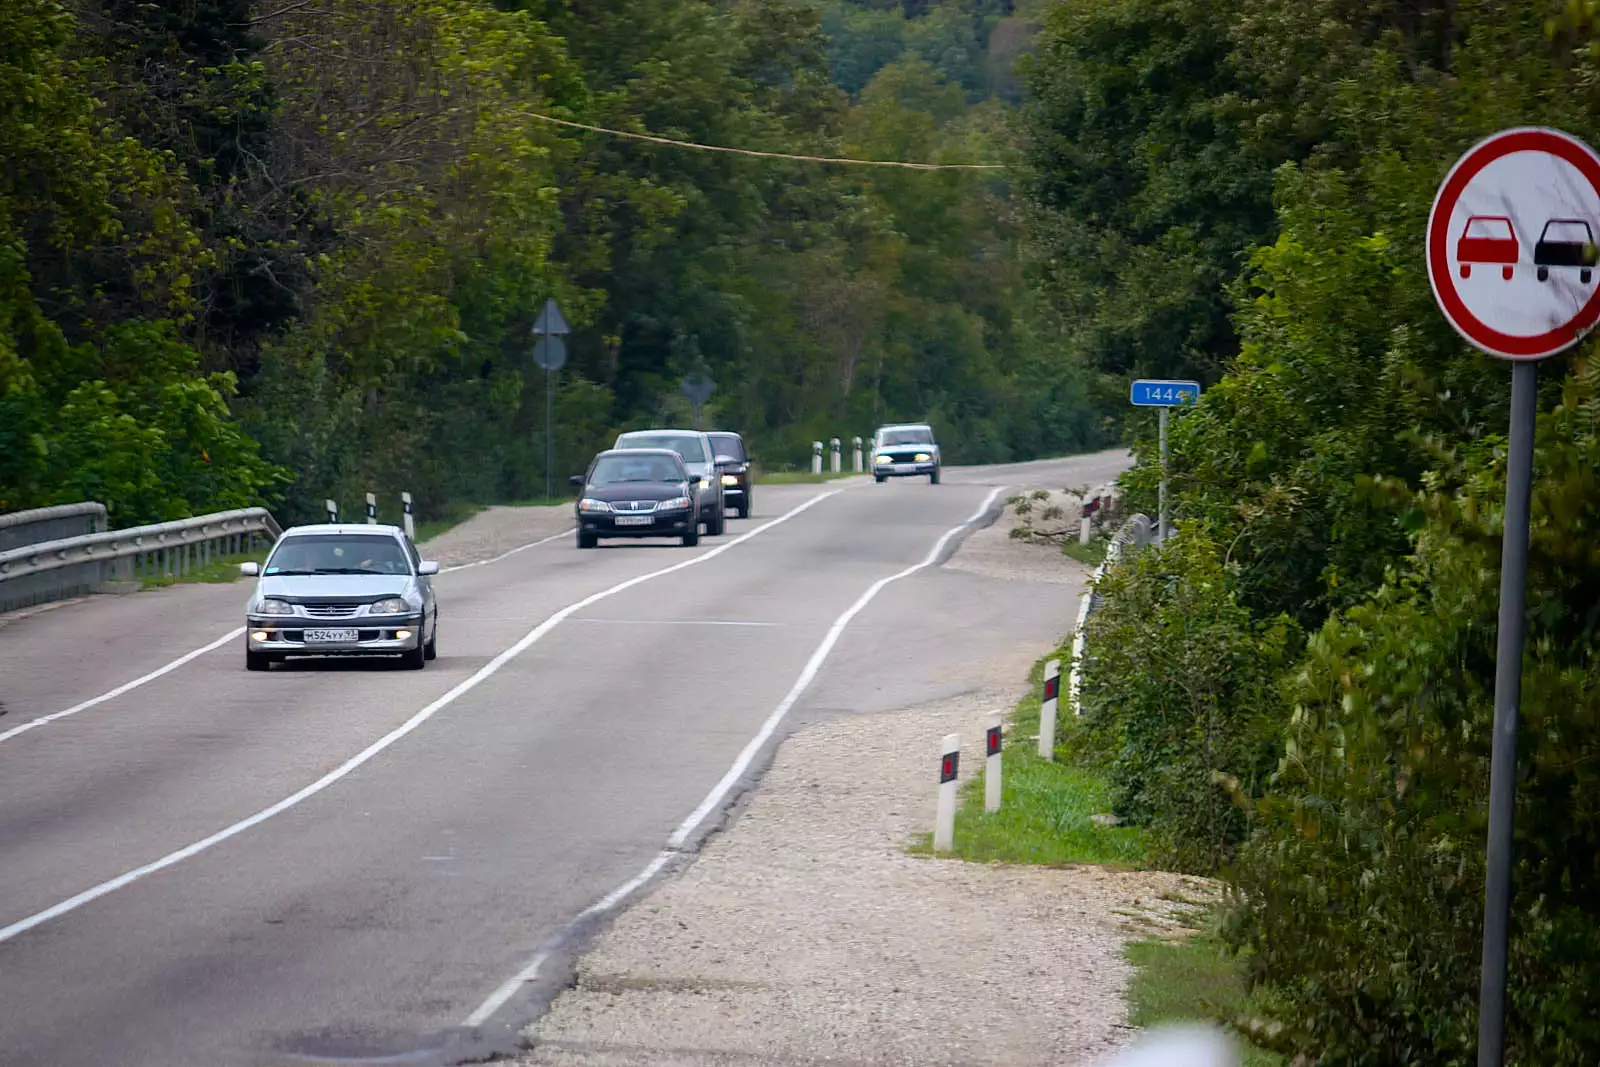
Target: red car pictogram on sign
{"x":1488,"y":239}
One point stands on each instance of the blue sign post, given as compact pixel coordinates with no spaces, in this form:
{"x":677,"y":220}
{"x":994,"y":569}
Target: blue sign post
{"x":1164,"y":394}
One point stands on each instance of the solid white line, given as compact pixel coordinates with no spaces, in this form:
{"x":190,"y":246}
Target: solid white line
{"x":349,"y":765}
{"x":520,"y":548}
{"x":677,"y":622}
{"x":123,"y":688}
{"x":720,"y":791}
{"x":218,"y":643}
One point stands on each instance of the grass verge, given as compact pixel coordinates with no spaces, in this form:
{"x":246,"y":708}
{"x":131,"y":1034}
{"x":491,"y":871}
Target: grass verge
{"x":1092,"y":553}
{"x":220,"y":570}
{"x":1193,"y":980}
{"x":1046,"y":807}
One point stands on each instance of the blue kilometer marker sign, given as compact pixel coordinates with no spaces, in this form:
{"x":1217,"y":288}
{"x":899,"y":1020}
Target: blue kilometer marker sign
{"x":1155,"y":393}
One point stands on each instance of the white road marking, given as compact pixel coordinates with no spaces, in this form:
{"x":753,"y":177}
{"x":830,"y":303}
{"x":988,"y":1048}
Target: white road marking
{"x":520,"y":548}
{"x":218,"y":643}
{"x":43,"y":720}
{"x":678,"y":622}
{"x":720,"y":791}
{"x":344,"y":769}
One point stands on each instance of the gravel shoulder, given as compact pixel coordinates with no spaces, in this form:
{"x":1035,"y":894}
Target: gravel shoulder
{"x":496,"y":530}
{"x":804,"y":933}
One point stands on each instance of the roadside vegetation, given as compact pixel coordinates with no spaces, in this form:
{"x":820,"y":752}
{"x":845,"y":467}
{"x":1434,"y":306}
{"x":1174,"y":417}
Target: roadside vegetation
{"x":1295,"y":694}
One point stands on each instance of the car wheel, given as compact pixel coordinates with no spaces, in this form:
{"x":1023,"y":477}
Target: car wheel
{"x":1544,"y":274}
{"x":744,"y":506}
{"x":691,"y":536}
{"x":933,"y":479}
{"x":414,"y":659}
{"x":879,"y":478}
{"x":431,"y":649}
{"x":587,"y":540}
{"x":718,"y":523}
{"x":257,"y":661}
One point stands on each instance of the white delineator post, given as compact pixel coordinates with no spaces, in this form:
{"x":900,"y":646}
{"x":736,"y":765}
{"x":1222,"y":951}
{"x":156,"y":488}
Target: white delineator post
{"x":333,"y":509}
{"x":816,"y":457}
{"x":1085,"y":523}
{"x":833,"y":446}
{"x":944,"y":821}
{"x":372,"y":509}
{"x":991,"y":769}
{"x":411,"y":525}
{"x":1047,"y":710}
{"x":858,"y":455}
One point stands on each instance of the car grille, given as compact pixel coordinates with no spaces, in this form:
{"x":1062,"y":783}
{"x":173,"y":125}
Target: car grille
{"x":633,"y":507}
{"x":330,"y":611}
{"x":902,"y":457}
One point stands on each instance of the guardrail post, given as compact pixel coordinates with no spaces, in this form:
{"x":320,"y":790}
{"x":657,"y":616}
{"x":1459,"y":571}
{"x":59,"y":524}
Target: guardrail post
{"x":858,"y":455}
{"x":816,"y":457}
{"x":411,"y":525}
{"x":372,"y":509}
{"x":944,"y":823}
{"x":1047,"y":710}
{"x":833,"y":447}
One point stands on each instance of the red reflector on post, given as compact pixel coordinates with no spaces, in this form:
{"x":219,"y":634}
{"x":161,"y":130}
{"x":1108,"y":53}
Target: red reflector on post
{"x":992,"y":736}
{"x":1052,"y":686}
{"x":947,"y":767}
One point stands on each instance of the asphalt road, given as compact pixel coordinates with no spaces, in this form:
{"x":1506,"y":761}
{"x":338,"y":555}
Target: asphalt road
{"x":346,"y":863}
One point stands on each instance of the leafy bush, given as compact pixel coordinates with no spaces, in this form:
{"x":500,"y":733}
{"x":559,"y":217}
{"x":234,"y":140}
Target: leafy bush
{"x":1180,"y":695}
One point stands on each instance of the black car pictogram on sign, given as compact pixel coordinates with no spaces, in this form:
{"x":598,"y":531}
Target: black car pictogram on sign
{"x":1566,"y":243}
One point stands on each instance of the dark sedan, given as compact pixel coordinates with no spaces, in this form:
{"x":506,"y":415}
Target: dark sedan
{"x":637,"y":492}
{"x":733,"y":466}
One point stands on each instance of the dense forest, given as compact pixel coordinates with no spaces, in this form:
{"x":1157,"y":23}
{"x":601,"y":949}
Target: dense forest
{"x":259,"y":251}
{"x":1297,"y":691}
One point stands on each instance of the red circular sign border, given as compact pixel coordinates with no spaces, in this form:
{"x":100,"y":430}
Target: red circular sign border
{"x":1497,"y":146}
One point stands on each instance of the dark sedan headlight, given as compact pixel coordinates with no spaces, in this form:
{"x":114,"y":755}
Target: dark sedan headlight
{"x":274,"y":607}
{"x":589,"y":503}
{"x":675,"y":502}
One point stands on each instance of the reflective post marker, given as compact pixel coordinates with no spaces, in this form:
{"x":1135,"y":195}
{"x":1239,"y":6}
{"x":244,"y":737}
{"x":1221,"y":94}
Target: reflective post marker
{"x":944,"y":822}
{"x":833,"y":446}
{"x":405,"y":506}
{"x":1047,"y":710}
{"x":372,"y":509}
{"x":991,"y":769}
{"x":333,"y":509}
{"x":858,"y":455}
{"x":1085,"y":524}
{"x":816,"y":457}
{"x":1161,"y":524}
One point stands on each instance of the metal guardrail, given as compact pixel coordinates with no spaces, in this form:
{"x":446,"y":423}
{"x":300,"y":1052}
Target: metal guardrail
{"x":20,"y":528}
{"x":73,"y":566}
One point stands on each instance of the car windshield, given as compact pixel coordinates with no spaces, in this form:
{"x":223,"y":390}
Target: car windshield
{"x":610,"y":470}
{"x":689,"y":446}
{"x":907,"y":437}
{"x":338,"y":554}
{"x":727,"y":444}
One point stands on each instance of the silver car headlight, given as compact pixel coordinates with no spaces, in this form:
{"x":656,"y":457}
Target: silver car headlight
{"x":589,"y":503}
{"x":395,"y":605}
{"x":274,"y":607}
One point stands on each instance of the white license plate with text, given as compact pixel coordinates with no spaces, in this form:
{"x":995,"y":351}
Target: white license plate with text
{"x":328,"y":637}
{"x":636,"y":520}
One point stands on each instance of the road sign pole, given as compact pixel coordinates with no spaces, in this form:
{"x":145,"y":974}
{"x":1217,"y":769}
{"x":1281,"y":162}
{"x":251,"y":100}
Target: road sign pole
{"x":1161,"y":522}
{"x":1507,"y":705}
{"x":549,"y":430}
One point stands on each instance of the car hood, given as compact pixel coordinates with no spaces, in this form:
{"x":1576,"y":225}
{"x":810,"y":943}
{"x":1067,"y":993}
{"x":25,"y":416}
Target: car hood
{"x":346,"y":586}
{"x":636,"y":491}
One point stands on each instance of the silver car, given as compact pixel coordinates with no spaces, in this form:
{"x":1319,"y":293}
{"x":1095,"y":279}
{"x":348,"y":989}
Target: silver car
{"x":698,"y":455}
{"x":343,"y":590}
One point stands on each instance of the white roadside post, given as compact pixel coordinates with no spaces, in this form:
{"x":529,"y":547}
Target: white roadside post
{"x":816,"y":457}
{"x":333,"y":509}
{"x":1047,"y":710}
{"x":833,"y":446}
{"x":372,"y":509}
{"x":1075,"y":677}
{"x":411,"y":525}
{"x":944,"y":823}
{"x":991,"y":770}
{"x":858,"y":455}
{"x":1085,"y":523}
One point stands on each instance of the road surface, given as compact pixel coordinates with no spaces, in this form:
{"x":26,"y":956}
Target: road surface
{"x":353,"y":864}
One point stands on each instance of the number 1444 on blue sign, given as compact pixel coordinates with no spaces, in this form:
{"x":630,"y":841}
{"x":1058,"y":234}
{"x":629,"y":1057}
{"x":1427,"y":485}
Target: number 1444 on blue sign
{"x":1152,"y":393}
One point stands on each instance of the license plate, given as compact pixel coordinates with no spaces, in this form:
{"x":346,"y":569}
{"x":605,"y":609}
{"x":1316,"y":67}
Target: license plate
{"x":636,"y":520}
{"x":328,"y":637}
{"x":901,"y":468}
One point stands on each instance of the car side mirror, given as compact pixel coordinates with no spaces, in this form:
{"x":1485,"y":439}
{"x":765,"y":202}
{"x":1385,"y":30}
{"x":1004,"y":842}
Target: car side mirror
{"x":694,"y":479}
{"x":577,"y":480}
{"x":427,"y":567}
{"x":249,"y":570}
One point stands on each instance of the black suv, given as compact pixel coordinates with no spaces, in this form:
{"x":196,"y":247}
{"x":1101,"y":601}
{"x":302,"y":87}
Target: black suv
{"x":733,"y":467}
{"x":637,"y":492}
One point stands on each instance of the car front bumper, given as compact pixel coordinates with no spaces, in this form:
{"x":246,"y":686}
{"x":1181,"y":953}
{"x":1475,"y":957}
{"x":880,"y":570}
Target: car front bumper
{"x":663,"y":524}
{"x":910,"y":469}
{"x":376,"y":635}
